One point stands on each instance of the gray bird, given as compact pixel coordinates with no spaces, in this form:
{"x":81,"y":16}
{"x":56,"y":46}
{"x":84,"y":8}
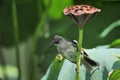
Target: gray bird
{"x":69,"y":49}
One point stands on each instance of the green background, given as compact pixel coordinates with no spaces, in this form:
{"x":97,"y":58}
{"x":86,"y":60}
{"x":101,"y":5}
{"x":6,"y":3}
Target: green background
{"x":38,"y":21}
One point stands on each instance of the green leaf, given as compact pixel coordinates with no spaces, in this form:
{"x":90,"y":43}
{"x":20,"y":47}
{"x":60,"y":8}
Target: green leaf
{"x":109,"y":28}
{"x":106,"y":57}
{"x":56,"y":7}
{"x":115,"y":75}
{"x":54,"y":69}
{"x":115,"y":44}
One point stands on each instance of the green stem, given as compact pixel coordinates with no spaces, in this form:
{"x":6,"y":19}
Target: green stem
{"x":34,"y":59}
{"x":79,"y":53}
{"x":16,"y":36}
{"x":38,"y":32}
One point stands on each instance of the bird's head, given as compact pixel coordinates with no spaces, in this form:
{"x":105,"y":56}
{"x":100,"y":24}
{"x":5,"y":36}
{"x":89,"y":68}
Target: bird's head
{"x":57,"y":40}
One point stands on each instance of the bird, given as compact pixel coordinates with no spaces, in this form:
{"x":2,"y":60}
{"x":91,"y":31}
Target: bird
{"x":69,"y":50}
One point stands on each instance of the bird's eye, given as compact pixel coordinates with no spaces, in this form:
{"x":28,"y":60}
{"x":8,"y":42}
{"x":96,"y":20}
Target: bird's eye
{"x":56,"y":42}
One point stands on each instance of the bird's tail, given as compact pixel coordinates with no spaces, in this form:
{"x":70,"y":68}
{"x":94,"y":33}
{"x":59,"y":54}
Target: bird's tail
{"x":88,"y":62}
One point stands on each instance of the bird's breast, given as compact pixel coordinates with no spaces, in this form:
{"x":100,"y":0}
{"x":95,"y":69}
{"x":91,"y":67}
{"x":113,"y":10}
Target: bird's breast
{"x":69,"y":52}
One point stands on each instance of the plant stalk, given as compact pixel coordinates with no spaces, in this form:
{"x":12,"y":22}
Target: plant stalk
{"x":16,"y":36}
{"x":38,"y":32}
{"x":79,"y":53}
{"x":34,"y":59}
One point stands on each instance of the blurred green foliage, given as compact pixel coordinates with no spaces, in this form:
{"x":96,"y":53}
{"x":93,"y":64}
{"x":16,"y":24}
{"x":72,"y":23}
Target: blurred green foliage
{"x":29,"y":15}
{"x":115,"y":44}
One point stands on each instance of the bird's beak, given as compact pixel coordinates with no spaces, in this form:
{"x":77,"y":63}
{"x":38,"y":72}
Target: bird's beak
{"x":52,"y":43}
